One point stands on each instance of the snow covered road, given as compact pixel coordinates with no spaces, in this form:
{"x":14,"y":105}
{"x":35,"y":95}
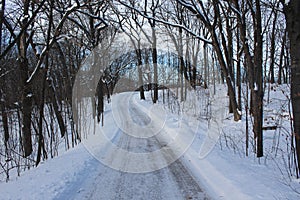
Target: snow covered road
{"x":173,"y":182}
{"x":102,"y":182}
{"x":79,"y":174}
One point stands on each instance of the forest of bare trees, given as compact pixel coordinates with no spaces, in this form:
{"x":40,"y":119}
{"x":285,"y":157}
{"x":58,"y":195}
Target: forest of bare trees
{"x":241,"y":43}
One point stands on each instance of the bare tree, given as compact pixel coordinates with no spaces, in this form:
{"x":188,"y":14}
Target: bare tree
{"x":254,"y":65}
{"x":215,"y":28}
{"x":292,"y":14}
{"x":133,"y":27}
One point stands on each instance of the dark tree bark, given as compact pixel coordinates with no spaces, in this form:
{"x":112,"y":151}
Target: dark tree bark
{"x":154,"y":59}
{"x":292,"y":13}
{"x":258,"y":81}
{"x":229,"y":55}
{"x":140,"y":74}
{"x":100,"y":103}
{"x":4,"y":118}
{"x":238,"y":71}
{"x":41,"y":143}
{"x":2,"y":98}
{"x":26,"y":92}
{"x":273,"y":48}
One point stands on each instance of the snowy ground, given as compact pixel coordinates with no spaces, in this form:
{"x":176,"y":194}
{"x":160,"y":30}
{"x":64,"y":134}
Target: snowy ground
{"x":216,"y":174}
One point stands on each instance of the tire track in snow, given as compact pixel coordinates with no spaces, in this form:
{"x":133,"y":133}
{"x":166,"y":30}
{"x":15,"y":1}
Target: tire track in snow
{"x":173,"y":182}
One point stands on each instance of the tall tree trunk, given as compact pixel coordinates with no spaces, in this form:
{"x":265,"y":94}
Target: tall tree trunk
{"x":2,"y":97}
{"x":41,"y":143}
{"x":154,"y":57}
{"x":154,"y":51}
{"x":238,"y":72}
{"x":254,"y":71}
{"x":258,"y":76}
{"x":26,"y":109}
{"x":26,"y":92}
{"x":205,"y":65}
{"x":292,"y":12}
{"x":229,"y":57}
{"x":272,"y":53}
